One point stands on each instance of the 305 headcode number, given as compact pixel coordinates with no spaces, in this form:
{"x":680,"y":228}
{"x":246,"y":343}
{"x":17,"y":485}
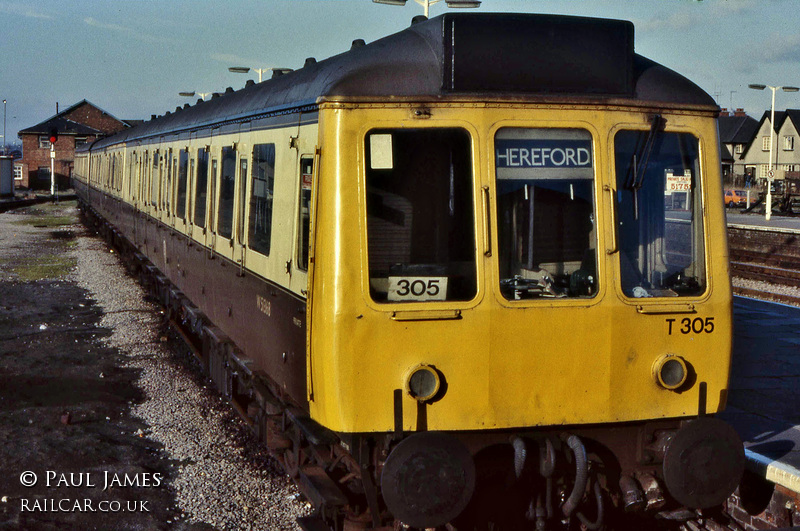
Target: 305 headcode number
{"x":417,"y":288}
{"x":687,"y":325}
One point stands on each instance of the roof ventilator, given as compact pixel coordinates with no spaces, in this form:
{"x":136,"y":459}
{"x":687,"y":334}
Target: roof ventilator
{"x":277,"y":72}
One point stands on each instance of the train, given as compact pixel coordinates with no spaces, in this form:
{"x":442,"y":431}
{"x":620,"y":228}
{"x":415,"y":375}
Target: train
{"x":472,"y":275}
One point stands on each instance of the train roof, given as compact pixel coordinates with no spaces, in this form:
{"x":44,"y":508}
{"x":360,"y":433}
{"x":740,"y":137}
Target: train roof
{"x":490,"y":56}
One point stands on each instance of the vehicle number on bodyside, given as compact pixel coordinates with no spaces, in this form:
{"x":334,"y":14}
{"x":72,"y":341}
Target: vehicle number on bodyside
{"x":417,"y":288}
{"x":688,"y":325}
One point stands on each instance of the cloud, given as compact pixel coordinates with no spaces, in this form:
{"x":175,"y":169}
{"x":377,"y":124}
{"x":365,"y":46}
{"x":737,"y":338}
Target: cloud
{"x":676,"y":21}
{"x":733,"y":7}
{"x":786,"y":49}
{"x":21,"y":10}
{"x":114,"y":27}
{"x":125,"y":30}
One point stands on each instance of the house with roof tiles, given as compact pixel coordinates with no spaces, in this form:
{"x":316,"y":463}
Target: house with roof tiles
{"x":784,"y":142}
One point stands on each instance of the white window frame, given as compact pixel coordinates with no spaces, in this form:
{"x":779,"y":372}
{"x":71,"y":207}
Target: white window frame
{"x":44,"y":142}
{"x":738,"y":149}
{"x":788,"y":143}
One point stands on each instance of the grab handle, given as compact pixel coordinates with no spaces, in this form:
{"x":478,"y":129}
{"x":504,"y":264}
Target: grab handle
{"x":613,"y":249}
{"x":487,"y":242}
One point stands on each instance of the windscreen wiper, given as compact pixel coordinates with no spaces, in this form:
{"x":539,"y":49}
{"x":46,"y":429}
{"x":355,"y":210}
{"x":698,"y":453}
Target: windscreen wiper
{"x":636,"y":175}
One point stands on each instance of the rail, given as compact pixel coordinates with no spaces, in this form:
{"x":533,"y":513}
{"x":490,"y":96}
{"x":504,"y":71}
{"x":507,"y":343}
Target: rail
{"x":768,"y":255}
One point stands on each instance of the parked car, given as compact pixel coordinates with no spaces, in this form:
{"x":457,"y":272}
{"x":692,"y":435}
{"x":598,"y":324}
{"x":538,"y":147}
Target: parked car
{"x":738,"y":198}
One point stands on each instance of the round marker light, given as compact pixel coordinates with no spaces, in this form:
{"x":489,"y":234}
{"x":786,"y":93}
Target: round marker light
{"x":670,"y":371}
{"x":423,"y":383}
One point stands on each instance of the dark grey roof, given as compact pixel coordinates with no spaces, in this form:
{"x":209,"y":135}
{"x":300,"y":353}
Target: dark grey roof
{"x":495,"y":55}
{"x":62,"y":125}
{"x":737,"y":129}
{"x":725,"y":153}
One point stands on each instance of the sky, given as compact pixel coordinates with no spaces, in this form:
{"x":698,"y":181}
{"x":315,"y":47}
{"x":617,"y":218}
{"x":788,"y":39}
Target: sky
{"x":131,"y":58}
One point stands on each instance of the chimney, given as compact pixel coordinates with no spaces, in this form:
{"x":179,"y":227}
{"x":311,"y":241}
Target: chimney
{"x":739,"y":112}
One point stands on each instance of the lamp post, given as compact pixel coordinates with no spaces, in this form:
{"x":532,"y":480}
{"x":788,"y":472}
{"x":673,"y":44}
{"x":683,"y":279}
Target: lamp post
{"x":245,"y":69}
{"x":4,"y":127}
{"x":770,"y":173}
{"x":191,"y":94}
{"x":261,"y":71}
{"x":426,"y":4}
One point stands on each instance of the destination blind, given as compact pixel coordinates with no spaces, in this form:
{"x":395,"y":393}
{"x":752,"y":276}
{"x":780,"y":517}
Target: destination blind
{"x":543,"y":153}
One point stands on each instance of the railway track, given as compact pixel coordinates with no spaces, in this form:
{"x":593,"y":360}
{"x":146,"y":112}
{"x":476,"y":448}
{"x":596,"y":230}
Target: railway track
{"x":768,"y":256}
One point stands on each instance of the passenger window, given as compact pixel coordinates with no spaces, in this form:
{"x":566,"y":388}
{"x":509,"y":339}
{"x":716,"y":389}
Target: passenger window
{"x":306,"y":180}
{"x":192,"y":179}
{"x":545,"y":213}
{"x":180,"y":201}
{"x":167,"y":190}
{"x":242,"y":199}
{"x":212,"y":193}
{"x":120,"y":171}
{"x":260,"y":225}
{"x":171,"y":192}
{"x":113,"y":172}
{"x":420,"y":215}
{"x":132,"y":175}
{"x":144,"y":166}
{"x":155,"y":179}
{"x":201,"y":188}
{"x":227,"y":190}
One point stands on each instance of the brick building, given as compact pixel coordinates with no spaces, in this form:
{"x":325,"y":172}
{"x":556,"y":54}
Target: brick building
{"x":79,"y":124}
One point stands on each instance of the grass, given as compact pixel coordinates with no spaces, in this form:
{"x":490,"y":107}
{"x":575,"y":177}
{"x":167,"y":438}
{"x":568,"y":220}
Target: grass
{"x":47,"y":221}
{"x":49,"y":258}
{"x":46,"y":266}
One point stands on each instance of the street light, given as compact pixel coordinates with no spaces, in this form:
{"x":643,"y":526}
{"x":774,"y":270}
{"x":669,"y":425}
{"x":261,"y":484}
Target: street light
{"x":770,"y":174}
{"x":191,"y":94}
{"x":4,"y":127}
{"x":426,"y":4}
{"x":244,"y":70}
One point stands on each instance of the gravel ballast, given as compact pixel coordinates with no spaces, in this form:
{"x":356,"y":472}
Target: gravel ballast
{"x":95,"y":386}
{"x":224,"y":479}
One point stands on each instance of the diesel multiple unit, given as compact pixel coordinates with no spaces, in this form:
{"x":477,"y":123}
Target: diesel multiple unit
{"x":474,"y":272}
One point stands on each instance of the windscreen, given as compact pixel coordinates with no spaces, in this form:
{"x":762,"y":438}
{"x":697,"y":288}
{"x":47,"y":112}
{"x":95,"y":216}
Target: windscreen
{"x":659,"y":214}
{"x":545,"y":213}
{"x":420,"y":219}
